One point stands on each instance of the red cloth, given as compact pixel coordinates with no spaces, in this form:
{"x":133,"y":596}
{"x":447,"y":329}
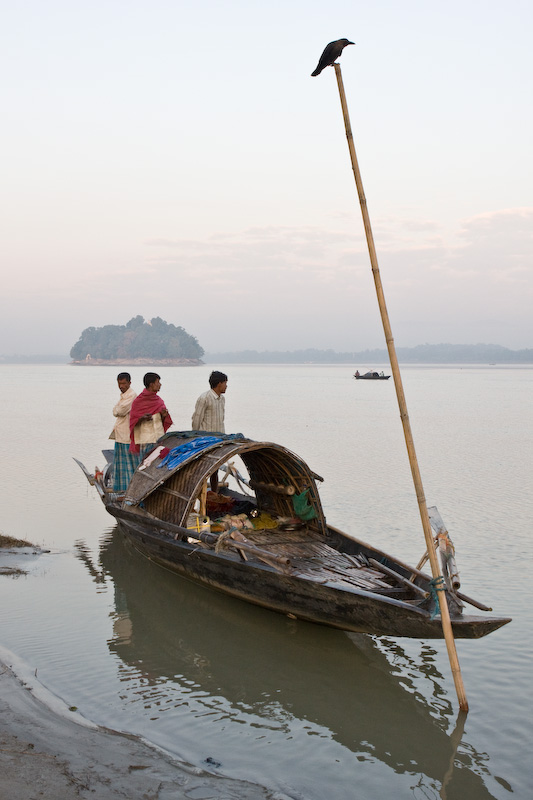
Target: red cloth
{"x":146,"y":403}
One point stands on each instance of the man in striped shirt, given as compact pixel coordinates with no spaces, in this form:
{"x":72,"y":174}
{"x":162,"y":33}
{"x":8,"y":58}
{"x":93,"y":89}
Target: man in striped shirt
{"x":209,"y":411}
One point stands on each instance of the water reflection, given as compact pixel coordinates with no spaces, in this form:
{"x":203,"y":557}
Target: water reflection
{"x":180,"y":644}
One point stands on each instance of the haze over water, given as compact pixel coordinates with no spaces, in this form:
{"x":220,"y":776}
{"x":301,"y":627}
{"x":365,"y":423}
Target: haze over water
{"x":307,"y":711}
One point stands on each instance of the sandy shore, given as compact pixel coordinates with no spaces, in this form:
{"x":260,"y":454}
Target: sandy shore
{"x":50,"y":752}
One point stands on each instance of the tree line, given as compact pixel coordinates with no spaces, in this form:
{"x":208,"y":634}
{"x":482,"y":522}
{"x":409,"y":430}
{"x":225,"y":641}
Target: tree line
{"x":421,"y":354}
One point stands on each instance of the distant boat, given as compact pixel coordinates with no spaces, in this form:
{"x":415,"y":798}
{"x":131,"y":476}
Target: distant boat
{"x":371,"y":376}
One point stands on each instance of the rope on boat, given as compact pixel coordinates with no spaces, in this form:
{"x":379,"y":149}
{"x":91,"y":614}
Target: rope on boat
{"x":221,"y":541}
{"x":436,"y":585}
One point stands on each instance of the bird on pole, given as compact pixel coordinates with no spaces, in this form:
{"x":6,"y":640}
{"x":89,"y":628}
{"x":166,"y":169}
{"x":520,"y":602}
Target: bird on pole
{"x":332,"y":52}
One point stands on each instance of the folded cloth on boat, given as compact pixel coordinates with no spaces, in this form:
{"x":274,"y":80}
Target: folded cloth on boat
{"x":264,"y":520}
{"x":218,"y":504}
{"x":302,"y":509}
{"x":152,"y":457}
{"x":181,"y":453}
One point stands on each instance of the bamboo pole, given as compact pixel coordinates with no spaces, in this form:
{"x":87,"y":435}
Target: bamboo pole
{"x":203,"y":499}
{"x":435,"y":569}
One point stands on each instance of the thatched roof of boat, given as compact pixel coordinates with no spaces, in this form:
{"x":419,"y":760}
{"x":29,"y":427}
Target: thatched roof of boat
{"x":276,"y":474}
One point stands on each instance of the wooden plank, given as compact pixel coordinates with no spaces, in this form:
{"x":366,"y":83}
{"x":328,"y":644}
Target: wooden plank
{"x":321,"y":561}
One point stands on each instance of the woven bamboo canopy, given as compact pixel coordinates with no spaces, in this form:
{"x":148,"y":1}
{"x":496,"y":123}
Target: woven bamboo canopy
{"x":170,"y":494}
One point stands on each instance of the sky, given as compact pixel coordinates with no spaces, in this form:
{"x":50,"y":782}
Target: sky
{"x":175,"y":159}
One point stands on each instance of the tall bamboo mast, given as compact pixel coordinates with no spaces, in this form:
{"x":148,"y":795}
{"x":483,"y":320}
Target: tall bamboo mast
{"x":435,"y":569}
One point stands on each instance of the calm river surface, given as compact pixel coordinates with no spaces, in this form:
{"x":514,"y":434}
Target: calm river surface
{"x":308,"y":712}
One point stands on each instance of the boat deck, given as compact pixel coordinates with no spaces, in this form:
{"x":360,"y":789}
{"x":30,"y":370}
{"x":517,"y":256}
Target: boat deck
{"x":312,"y":558}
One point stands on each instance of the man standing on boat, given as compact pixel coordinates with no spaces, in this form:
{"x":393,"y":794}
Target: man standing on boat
{"x":149,"y":417}
{"x":124,"y":463}
{"x":209,"y":411}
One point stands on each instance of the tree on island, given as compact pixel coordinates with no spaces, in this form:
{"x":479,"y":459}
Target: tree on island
{"x":155,"y":339}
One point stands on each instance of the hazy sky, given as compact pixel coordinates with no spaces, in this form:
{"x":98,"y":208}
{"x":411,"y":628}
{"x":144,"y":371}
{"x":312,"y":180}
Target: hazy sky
{"x":175,"y":159}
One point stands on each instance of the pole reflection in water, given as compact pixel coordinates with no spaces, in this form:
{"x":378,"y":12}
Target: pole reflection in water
{"x":191,"y":656}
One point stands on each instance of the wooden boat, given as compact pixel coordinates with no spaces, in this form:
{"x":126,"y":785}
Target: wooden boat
{"x":302,"y":567}
{"x":371,"y":376}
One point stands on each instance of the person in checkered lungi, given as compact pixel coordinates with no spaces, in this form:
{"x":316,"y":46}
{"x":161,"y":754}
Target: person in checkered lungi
{"x":125,"y":462}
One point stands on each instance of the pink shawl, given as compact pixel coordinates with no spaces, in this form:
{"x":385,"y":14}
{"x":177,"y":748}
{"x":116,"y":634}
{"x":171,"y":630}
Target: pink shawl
{"x":146,"y":403}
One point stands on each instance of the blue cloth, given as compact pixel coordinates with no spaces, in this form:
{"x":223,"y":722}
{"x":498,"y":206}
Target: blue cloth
{"x":181,"y":453}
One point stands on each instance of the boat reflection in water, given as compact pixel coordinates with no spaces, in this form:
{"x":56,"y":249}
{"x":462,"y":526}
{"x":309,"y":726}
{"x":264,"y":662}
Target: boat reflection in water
{"x":266,"y":669}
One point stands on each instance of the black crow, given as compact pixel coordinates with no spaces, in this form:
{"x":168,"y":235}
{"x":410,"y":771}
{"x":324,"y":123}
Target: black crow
{"x":331,"y":53}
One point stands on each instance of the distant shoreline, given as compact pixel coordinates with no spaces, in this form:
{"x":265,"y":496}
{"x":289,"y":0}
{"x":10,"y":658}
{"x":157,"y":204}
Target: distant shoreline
{"x":138,"y":362}
{"x":489,"y":354}
{"x":449,"y":354}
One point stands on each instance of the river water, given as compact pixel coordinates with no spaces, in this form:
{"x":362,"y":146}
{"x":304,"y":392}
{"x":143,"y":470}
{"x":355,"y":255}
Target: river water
{"x":305,"y":711}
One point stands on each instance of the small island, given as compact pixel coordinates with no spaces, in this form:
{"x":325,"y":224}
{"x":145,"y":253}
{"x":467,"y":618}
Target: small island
{"x":150,"y":343}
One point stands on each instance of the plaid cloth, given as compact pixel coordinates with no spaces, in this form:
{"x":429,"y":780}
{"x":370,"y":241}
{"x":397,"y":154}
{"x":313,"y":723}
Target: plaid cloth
{"x":124,"y":466}
{"x":144,"y":450}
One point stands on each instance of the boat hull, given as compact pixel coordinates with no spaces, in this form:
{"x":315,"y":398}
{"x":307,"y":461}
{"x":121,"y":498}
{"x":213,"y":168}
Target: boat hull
{"x":316,"y":601}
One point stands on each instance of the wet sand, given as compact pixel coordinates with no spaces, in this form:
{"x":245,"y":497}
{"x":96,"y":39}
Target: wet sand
{"x":44,"y":754}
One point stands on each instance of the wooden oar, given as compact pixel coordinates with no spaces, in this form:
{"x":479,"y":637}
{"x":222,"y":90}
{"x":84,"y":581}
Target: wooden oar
{"x":236,"y":539}
{"x":464,"y":597}
{"x":400,"y":578}
{"x":415,"y":471}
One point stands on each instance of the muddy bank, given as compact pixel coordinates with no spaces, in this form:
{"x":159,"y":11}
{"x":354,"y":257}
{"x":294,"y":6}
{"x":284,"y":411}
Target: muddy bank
{"x":48,"y":751}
